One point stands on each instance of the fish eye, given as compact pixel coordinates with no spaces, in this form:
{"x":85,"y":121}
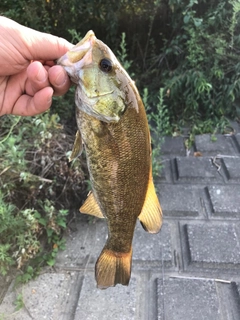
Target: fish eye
{"x":105,"y":65}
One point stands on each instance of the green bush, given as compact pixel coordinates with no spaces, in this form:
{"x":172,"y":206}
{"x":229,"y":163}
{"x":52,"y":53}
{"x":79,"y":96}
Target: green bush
{"x":202,"y":74}
{"x":37,"y":190}
{"x":190,"y":47}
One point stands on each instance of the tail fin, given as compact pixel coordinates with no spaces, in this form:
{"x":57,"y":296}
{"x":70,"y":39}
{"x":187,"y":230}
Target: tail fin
{"x":112,"y":268}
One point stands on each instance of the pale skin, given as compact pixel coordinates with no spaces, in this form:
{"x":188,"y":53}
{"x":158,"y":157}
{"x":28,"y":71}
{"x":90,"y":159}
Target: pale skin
{"x":28,"y":75}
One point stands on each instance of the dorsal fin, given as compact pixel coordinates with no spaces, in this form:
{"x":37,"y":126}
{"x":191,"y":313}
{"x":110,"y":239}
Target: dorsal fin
{"x":91,"y":206}
{"x":77,"y":147}
{"x":151,"y":214}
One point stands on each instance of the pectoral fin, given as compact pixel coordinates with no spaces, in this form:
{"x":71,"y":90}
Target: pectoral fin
{"x":151,"y":215}
{"x":77,"y":147}
{"x":91,"y":207}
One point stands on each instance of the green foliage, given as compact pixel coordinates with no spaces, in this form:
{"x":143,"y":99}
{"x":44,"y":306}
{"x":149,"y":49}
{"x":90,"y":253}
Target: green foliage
{"x":189,"y":48}
{"x":123,"y":55}
{"x":19,"y":302}
{"x":204,"y":81}
{"x":159,"y":124}
{"x":236,"y":9}
{"x":33,"y":174}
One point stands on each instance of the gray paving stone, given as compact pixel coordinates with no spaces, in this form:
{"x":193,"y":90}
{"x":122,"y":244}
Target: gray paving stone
{"x":44,"y":298}
{"x":179,"y":200}
{"x":173,"y":146}
{"x":235,"y":126}
{"x":213,"y":245}
{"x":84,"y":243}
{"x":236,"y":139}
{"x":165,"y":173}
{"x":4,"y":284}
{"x":152,"y":249}
{"x":197,"y":169}
{"x":232,"y":168}
{"x":206,"y":146}
{"x":225,"y":200}
{"x":118,"y":303}
{"x":185,"y":299}
{"x":229,"y":300}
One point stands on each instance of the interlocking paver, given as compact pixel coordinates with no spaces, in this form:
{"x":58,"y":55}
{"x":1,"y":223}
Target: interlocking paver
{"x":213,"y":244}
{"x":43,"y":298}
{"x":225,"y":200}
{"x":237,"y":141}
{"x":189,"y":271}
{"x":197,"y":169}
{"x":85,"y":242}
{"x":173,"y":146}
{"x":180,"y":200}
{"x":150,"y":249}
{"x":208,"y":146}
{"x":181,"y":299}
{"x":114,"y":303}
{"x":232,"y":167}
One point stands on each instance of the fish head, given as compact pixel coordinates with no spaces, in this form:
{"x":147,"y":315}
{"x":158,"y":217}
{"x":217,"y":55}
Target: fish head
{"x":103,"y":85}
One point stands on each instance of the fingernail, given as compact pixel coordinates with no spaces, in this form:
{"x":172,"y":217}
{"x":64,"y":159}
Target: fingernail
{"x":60,"y":79}
{"x":50,"y":96}
{"x":41,"y":76}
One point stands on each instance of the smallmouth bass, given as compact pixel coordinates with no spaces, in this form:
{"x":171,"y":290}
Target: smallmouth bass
{"x":114,"y":131}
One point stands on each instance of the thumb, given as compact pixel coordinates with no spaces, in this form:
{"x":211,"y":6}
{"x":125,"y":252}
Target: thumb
{"x":44,"y":46}
{"x":33,"y":45}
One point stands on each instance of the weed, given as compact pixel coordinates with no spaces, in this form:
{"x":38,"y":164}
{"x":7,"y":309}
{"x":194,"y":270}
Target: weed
{"x":19,"y":302}
{"x":33,"y":173}
{"x":123,"y":56}
{"x":159,"y":123}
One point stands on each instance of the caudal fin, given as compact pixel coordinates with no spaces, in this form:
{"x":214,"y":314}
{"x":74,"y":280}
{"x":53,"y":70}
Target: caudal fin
{"x":112,"y":268}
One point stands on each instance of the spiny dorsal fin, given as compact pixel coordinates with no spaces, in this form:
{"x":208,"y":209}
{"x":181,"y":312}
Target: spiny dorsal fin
{"x":151,"y":214}
{"x":77,"y":147}
{"x":91,"y":206}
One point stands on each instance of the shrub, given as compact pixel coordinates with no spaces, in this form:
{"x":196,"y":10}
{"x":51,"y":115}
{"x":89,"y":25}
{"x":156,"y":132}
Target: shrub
{"x":38,"y":189}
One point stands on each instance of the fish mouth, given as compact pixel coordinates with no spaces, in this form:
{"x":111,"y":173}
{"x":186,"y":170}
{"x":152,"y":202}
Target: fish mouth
{"x":79,"y":56}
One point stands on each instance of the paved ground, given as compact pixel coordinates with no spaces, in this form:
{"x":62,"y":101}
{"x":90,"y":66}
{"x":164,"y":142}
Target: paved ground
{"x":189,"y":271}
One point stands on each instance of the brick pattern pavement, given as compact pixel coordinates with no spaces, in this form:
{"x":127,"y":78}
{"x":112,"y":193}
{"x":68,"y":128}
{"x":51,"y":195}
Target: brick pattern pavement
{"x":189,"y":271}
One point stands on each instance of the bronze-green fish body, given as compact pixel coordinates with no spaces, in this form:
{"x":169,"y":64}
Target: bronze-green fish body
{"x":113,"y":128}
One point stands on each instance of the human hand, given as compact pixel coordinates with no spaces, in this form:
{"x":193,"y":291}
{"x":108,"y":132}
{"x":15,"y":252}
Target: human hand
{"x":28,"y":76}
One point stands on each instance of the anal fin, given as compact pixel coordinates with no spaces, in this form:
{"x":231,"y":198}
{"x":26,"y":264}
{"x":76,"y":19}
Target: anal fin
{"x":91,"y":206}
{"x":151,"y":214}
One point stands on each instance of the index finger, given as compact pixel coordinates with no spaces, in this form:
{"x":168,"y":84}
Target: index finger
{"x":59,"y":80}
{"x":37,"y":78}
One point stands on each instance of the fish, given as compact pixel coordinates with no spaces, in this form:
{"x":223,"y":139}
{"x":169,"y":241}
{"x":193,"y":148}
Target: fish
{"x":113,"y":129}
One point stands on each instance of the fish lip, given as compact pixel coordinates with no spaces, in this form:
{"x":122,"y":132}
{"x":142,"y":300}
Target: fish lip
{"x":78,"y":57}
